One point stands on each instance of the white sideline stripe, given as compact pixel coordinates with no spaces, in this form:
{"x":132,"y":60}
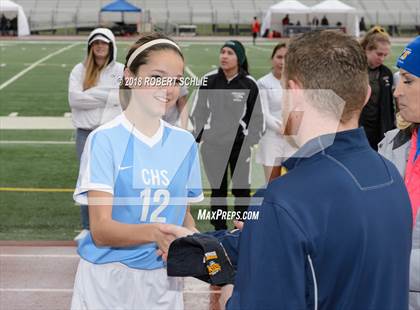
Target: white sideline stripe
{"x":261,"y":48}
{"x":21,"y":73}
{"x":37,"y":290}
{"x":47,"y":65}
{"x":35,"y":142}
{"x":13,"y":114}
{"x":14,"y":43}
{"x":35,"y":122}
{"x":191,"y":43}
{"x":190,"y":73}
{"x":69,"y":290}
{"x":39,"y":255}
{"x":67,"y":114}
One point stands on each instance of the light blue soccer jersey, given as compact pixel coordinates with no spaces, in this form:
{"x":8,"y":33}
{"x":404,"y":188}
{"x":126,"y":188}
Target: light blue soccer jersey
{"x":152,"y":179}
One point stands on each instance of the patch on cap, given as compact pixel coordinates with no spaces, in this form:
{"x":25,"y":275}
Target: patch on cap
{"x":213,"y":268}
{"x":211,"y":255}
{"x":404,"y":55}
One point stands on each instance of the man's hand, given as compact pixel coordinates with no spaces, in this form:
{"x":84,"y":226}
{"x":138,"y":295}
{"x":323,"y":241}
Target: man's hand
{"x":225,"y":294}
{"x":238,"y":224}
{"x":177,"y":231}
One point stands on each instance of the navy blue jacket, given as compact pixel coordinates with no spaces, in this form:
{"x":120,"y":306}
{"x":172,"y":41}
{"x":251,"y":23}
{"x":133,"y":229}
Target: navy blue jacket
{"x":333,"y":233}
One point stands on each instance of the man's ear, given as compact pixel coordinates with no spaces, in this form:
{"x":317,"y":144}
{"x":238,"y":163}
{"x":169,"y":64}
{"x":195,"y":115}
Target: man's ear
{"x":368,"y":93}
{"x":295,"y":90}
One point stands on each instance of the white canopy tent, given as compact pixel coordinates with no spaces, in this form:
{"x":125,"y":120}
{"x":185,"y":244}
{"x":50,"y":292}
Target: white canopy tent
{"x":11,"y":9}
{"x":275,"y":14}
{"x":337,"y":11}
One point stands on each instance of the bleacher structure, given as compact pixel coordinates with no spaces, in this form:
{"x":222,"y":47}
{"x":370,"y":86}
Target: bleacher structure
{"x":51,"y":14}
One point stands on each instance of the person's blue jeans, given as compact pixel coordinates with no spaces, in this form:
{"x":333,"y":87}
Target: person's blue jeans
{"x":81,"y":136}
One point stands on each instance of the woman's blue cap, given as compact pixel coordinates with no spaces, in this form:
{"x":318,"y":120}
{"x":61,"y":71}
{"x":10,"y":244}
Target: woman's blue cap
{"x":410,"y":58}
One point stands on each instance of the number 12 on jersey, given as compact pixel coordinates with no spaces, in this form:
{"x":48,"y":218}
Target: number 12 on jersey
{"x":161,"y":197}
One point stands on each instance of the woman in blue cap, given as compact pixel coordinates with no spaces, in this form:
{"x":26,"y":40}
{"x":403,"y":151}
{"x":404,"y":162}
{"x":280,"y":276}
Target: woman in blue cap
{"x":227,"y":118}
{"x":402,"y":147}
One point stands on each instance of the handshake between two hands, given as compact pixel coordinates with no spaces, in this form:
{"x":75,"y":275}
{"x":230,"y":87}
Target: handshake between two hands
{"x":166,"y":233}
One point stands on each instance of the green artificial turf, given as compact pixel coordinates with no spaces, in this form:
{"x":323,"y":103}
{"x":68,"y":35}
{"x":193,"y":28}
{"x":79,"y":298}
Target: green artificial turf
{"x":42,"y":91}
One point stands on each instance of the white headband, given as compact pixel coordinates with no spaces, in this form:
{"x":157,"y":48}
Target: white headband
{"x":146,"y":46}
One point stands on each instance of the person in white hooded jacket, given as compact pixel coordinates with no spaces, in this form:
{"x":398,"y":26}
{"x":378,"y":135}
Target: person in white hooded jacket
{"x":93,"y":93}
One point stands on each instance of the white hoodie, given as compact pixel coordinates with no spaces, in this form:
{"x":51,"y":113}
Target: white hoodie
{"x":97,"y":105}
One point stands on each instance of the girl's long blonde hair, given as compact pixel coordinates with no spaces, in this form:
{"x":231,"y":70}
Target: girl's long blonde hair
{"x":92,"y":70}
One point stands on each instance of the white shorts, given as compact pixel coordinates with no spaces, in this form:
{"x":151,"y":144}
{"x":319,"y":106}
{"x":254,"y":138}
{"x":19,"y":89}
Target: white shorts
{"x":116,"y":286}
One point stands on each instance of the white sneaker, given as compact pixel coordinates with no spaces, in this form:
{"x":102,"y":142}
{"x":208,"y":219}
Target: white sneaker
{"x":81,"y":235}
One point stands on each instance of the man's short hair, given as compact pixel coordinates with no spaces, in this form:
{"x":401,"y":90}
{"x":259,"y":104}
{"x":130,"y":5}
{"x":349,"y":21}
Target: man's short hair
{"x":330,"y":60}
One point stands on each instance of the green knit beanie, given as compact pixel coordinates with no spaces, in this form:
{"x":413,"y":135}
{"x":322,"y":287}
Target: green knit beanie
{"x":238,"y":49}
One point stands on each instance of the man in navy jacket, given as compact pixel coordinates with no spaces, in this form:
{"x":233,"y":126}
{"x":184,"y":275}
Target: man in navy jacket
{"x":335,"y":231}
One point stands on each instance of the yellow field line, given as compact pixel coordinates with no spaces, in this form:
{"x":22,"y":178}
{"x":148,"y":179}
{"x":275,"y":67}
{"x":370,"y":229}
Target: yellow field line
{"x":44,"y":190}
{"x":32,"y":189}
{"x":55,"y":190}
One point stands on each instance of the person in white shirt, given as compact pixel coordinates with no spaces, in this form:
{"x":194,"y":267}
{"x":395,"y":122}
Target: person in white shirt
{"x":94,"y":93}
{"x":272,"y":148}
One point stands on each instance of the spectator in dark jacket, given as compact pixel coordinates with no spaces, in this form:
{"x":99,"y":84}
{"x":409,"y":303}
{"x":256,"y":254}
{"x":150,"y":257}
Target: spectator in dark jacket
{"x":378,"y":115}
{"x":362,"y":25}
{"x":227,"y":118}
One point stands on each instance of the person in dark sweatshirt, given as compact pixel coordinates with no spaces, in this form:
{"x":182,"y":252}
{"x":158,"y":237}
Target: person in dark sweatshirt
{"x":228,"y":120}
{"x":334,"y":232}
{"x":378,"y":115}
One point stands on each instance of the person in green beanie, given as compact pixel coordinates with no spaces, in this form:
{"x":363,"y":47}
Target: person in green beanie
{"x":228,"y":120}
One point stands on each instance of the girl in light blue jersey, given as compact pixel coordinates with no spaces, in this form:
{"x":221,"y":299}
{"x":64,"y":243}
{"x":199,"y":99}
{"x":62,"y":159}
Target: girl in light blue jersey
{"x":138,"y":174}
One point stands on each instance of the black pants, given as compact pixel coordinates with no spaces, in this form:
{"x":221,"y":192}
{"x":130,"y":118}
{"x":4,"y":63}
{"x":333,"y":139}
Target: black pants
{"x":217,"y":160}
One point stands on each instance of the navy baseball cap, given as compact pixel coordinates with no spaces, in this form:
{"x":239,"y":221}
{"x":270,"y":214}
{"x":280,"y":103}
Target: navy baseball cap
{"x":200,"y":256}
